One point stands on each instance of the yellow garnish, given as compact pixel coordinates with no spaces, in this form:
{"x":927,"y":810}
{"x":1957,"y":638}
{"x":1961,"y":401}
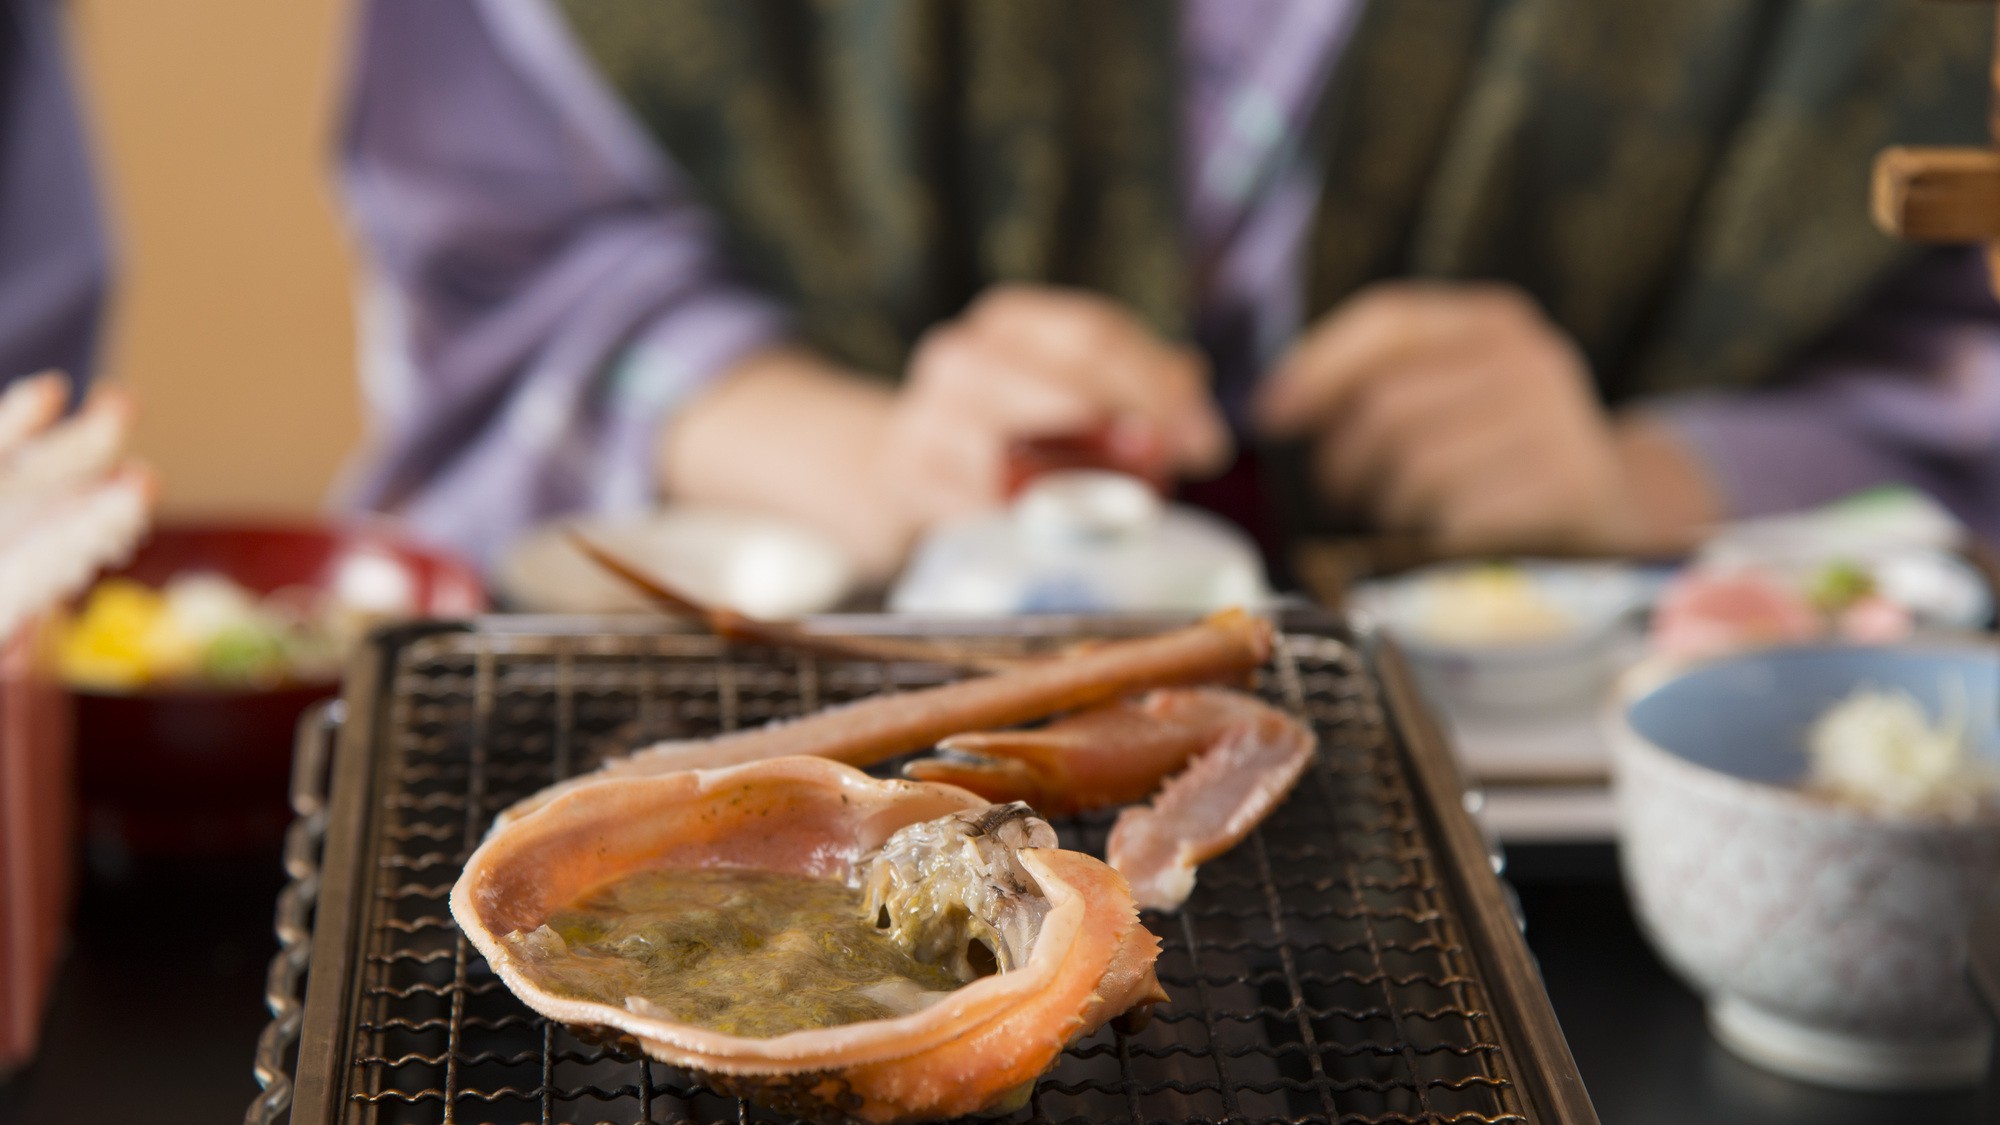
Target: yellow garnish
{"x":105,"y":646}
{"x":123,"y":639}
{"x":1491,"y":604}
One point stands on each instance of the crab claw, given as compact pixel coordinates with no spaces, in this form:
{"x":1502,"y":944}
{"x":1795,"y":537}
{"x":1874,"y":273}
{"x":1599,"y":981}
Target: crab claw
{"x":1000,"y":780}
{"x":1232,"y":759}
{"x":1110,"y":755}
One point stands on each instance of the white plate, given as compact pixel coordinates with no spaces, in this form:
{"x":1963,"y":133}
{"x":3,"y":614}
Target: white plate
{"x":746,"y":561}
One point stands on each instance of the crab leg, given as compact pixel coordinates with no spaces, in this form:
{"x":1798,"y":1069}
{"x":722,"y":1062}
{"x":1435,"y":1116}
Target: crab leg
{"x":1209,"y":808}
{"x":55,"y":553}
{"x":30,"y":406}
{"x":872,"y":730}
{"x":1112,"y":755}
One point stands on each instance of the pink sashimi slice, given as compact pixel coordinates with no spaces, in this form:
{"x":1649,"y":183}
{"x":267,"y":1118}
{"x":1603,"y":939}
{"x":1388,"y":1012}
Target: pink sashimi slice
{"x":1874,"y":620}
{"x":1704,"y":614}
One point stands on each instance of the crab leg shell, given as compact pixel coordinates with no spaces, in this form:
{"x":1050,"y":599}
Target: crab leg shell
{"x":1209,"y":808}
{"x":29,"y":406}
{"x":55,"y":552}
{"x":1111,"y":755}
{"x":874,"y":729}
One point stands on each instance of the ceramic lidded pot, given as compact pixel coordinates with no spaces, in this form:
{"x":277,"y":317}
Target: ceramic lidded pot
{"x":1828,"y":940}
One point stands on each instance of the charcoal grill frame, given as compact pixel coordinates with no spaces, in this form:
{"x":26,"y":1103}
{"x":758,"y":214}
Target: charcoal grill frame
{"x":334,"y":845}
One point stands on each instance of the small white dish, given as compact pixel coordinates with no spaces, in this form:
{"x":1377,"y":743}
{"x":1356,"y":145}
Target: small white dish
{"x":1572,"y":667}
{"x":746,"y":561}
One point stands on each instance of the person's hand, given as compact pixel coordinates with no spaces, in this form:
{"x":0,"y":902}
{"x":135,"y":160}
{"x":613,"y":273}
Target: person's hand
{"x":790,"y":433}
{"x":1457,"y":411}
{"x":1031,"y":361}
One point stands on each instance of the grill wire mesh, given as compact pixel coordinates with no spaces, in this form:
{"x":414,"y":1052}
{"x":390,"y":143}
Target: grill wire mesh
{"x":1316,"y":974}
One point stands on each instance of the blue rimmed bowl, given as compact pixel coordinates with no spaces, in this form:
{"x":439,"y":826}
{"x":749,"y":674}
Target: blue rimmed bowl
{"x":1829,"y":941}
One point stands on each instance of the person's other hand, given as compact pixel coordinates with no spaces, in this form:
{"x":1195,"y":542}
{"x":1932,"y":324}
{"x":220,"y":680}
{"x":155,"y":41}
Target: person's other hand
{"x":1028,"y":362}
{"x":1458,"y":411}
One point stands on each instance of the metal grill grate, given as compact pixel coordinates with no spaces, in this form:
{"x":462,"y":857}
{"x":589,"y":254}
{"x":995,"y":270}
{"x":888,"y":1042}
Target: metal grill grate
{"x":1318,"y":973}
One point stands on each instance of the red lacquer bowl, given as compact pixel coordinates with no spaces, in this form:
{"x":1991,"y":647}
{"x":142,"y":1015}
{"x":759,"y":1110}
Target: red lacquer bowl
{"x":187,"y":771}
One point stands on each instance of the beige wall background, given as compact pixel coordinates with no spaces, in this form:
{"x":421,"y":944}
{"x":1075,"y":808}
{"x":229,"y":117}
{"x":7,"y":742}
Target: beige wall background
{"x":233,"y":314}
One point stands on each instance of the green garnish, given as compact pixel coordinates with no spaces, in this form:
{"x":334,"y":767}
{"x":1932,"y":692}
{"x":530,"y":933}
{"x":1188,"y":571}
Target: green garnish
{"x":1839,"y":585}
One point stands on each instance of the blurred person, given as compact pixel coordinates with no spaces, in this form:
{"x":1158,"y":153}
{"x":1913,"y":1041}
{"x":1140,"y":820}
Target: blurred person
{"x":1539,"y":272}
{"x":54,"y":257}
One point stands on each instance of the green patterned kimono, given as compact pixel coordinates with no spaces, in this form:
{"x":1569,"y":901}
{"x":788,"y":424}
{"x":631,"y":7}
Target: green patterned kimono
{"x":1680,"y":183}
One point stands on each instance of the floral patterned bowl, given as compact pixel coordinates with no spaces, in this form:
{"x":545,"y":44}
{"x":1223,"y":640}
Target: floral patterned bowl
{"x":1829,"y":941}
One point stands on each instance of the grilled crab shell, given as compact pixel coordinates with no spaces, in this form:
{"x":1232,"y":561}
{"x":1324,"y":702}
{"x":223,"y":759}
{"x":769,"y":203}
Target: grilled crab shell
{"x":1090,"y":959}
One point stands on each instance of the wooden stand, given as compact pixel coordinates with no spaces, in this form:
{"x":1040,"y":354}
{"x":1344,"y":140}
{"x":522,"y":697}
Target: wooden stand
{"x":1944,"y":196}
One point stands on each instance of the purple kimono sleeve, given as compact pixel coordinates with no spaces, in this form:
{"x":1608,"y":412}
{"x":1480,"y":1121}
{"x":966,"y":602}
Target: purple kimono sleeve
{"x":1908,"y":392}
{"x":544,"y":289}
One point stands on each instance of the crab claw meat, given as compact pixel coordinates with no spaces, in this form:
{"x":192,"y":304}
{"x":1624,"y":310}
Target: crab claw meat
{"x":1210,"y":807}
{"x":944,"y":866}
{"x":880,"y":727}
{"x":1111,"y":755}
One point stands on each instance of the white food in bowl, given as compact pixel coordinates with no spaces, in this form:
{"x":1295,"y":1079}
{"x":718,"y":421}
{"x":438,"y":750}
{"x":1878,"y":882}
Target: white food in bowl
{"x":1488,"y":605}
{"x":1517,"y":639}
{"x":1878,"y":750}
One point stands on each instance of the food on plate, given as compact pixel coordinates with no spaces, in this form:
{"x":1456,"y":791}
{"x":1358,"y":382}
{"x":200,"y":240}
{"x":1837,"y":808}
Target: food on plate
{"x":1852,"y":604}
{"x":1711,"y":610}
{"x":1708,"y":613}
{"x":1487,"y":604}
{"x":1224,"y":646}
{"x":1879,"y":750}
{"x":1210,"y":808}
{"x":1044,"y":945}
{"x":1839,"y":584}
{"x":201,"y":628}
{"x":1704,"y":613}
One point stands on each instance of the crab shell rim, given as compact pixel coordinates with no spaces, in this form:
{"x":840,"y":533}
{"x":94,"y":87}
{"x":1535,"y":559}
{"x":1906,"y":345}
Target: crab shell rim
{"x":892,"y":804}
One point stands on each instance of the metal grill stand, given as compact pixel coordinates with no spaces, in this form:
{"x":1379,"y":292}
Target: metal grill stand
{"x":1322,"y":971}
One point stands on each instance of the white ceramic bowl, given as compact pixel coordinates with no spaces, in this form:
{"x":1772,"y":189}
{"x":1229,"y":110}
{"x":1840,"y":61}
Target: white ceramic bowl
{"x":1565,"y":672}
{"x":1829,"y":942}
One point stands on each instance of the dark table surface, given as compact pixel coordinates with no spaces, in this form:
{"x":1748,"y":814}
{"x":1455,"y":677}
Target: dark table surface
{"x":159,"y":1005}
{"x":1637,"y":1032}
